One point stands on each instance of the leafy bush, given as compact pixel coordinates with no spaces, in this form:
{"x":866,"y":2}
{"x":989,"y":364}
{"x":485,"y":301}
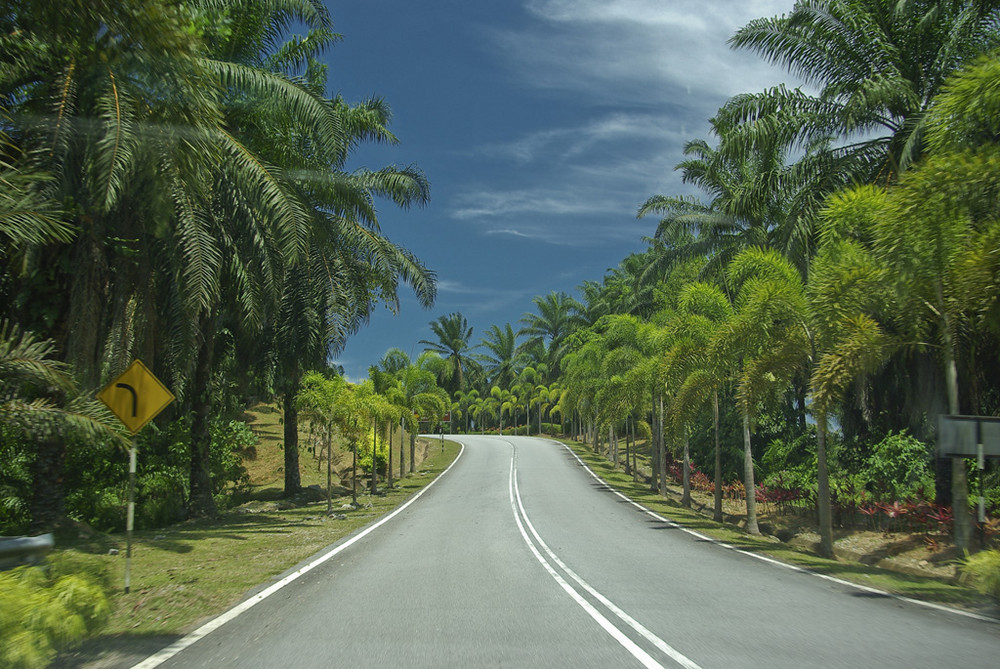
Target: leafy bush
{"x":160,"y":496}
{"x":15,"y":484}
{"x":551,"y":428}
{"x":230,"y":440}
{"x":898,"y":469}
{"x":982,"y":571}
{"x":798,"y":454}
{"x":44,"y":609}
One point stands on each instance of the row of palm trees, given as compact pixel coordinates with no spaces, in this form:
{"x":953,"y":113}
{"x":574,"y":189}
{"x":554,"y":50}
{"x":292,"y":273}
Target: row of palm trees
{"x":843,"y":267}
{"x":174,"y":188}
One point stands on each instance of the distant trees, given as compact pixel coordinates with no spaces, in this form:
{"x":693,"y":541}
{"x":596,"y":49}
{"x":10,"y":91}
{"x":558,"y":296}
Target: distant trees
{"x":836,"y":284}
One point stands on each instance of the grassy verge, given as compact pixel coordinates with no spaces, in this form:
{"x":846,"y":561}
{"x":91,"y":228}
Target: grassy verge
{"x":186,"y":573}
{"x":927,"y":589}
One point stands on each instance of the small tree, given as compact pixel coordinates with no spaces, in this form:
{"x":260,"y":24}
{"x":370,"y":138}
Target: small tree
{"x":318,"y":400}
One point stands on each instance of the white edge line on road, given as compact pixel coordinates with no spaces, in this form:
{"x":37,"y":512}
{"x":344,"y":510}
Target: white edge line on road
{"x":162,"y":656}
{"x":779,"y":563}
{"x":660,"y":644}
{"x":645,"y":658}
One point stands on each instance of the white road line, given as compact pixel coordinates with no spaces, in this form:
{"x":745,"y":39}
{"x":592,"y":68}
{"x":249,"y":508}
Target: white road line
{"x":162,"y":656}
{"x":770,"y":560}
{"x":638,"y":653}
{"x":660,"y":644}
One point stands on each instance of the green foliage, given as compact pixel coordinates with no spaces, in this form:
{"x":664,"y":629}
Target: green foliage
{"x":230,"y":439}
{"x":899,"y":469}
{"x":97,"y":475}
{"x":365,"y":454}
{"x":44,"y":609}
{"x":795,"y":454}
{"x":15,"y":483}
{"x":982,"y":571}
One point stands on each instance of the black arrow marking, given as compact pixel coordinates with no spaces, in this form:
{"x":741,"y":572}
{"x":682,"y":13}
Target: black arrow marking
{"x":135,"y":397}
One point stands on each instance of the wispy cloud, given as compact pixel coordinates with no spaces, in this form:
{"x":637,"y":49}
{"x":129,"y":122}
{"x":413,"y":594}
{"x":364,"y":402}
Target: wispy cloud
{"x":559,"y":144}
{"x":472,"y":298}
{"x":490,"y":203}
{"x":640,"y":50}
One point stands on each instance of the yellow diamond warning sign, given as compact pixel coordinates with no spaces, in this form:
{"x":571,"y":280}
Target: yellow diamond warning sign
{"x":136,"y":396}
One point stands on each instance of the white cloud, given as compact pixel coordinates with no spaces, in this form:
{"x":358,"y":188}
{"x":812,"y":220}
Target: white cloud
{"x":644,"y":51}
{"x":504,"y":203}
{"x":563,"y":143}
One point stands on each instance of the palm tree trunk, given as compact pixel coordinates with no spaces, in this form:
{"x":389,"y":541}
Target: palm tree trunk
{"x":201,"y":502}
{"x":293,"y":480}
{"x":959,"y":476}
{"x":635,"y":460}
{"x":686,"y":475}
{"x":354,"y":473}
{"x":628,"y":450}
{"x":388,"y":467}
{"x":48,"y":496}
{"x":374,"y":453}
{"x":402,"y":451}
{"x":748,"y":481}
{"x":654,"y":452}
{"x":717,"y":513}
{"x":329,"y":468}
{"x":662,"y":448}
{"x":823,"y":489}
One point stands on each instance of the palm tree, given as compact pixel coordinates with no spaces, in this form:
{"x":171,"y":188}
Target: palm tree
{"x":319,"y":399}
{"x":421,"y":395}
{"x":703,"y":310}
{"x":558,"y":315}
{"x":40,"y":402}
{"x":877,"y":65}
{"x":502,"y":362}
{"x":454,"y":336}
{"x":763,"y":343}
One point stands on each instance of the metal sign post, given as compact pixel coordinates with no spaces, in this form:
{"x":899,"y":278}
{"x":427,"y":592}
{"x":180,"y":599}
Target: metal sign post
{"x":970,"y":437}
{"x":130,"y":520}
{"x":135,"y":397}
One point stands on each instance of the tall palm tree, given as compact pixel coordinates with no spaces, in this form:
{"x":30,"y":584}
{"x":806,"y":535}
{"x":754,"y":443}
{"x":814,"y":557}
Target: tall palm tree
{"x":558,"y":315}
{"x":502,"y":362}
{"x":762,"y":344}
{"x":877,"y":64}
{"x":454,"y":345}
{"x":421,"y":395}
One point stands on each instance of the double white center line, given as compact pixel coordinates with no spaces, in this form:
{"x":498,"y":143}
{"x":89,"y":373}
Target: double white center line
{"x":535,"y":542}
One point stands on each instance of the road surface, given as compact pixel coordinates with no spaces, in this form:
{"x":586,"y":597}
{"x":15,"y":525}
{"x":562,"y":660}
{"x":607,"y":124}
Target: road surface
{"x":519,"y":557}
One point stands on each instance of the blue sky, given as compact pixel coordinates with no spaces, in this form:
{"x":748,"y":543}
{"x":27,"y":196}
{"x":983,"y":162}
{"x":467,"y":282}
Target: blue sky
{"x":542,"y":125}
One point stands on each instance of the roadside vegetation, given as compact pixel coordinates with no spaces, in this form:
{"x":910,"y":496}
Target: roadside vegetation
{"x":175,"y":187}
{"x":789,"y":338}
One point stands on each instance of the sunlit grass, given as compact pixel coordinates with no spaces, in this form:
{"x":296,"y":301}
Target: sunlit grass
{"x":192,"y":571}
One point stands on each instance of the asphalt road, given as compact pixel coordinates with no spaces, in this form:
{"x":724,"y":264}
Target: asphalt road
{"x":519,"y":557}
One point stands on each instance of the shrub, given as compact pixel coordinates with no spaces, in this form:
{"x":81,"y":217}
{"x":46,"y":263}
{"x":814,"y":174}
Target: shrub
{"x":899,"y":468}
{"x":982,"y":571}
{"x":44,"y":609}
{"x":15,"y":484}
{"x":160,"y":497}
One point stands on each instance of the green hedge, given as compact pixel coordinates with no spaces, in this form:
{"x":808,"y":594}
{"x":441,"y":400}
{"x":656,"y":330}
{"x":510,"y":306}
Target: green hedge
{"x":44,"y":609}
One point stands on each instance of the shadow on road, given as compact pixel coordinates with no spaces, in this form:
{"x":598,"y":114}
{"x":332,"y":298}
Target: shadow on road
{"x":116,"y":652}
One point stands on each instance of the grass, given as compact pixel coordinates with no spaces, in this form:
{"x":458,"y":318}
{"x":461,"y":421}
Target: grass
{"x":916,"y":587}
{"x":190,"y":572}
